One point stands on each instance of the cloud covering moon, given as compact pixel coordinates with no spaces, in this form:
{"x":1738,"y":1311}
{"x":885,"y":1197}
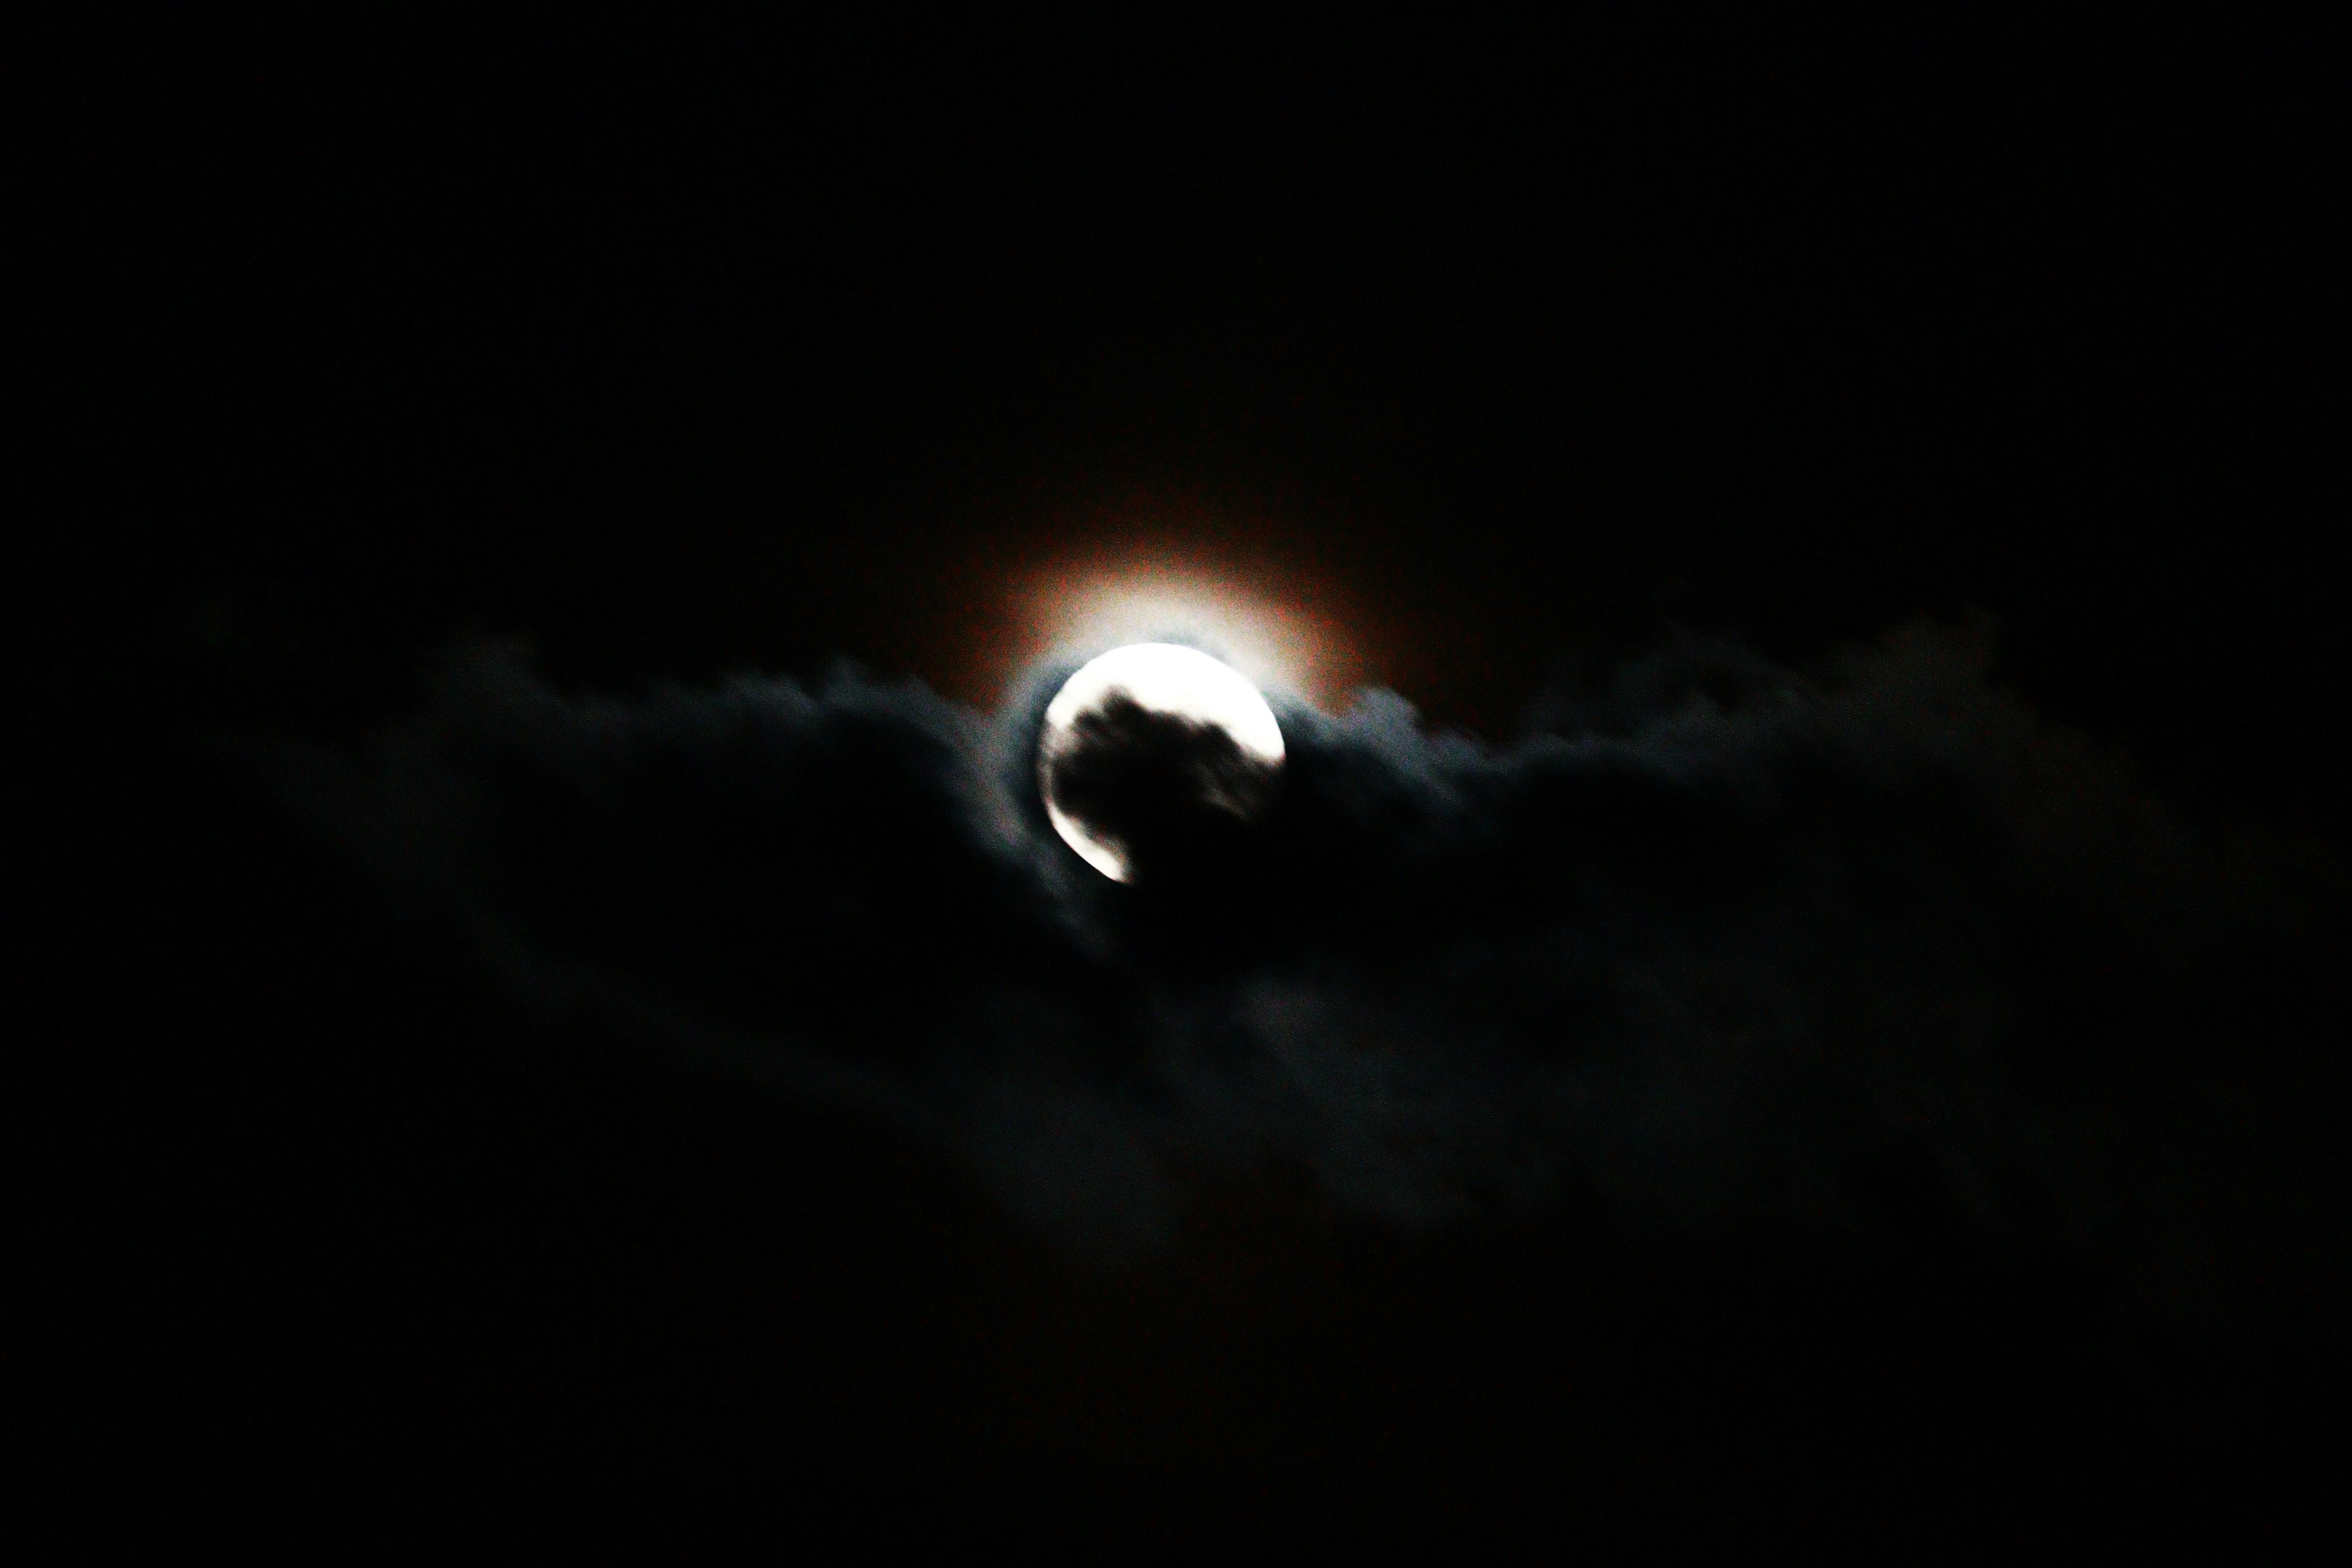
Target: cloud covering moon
{"x":1227,"y":743}
{"x":1715,"y":947}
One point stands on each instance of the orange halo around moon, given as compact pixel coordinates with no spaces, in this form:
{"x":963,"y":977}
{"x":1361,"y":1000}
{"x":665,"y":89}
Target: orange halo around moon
{"x":1278,"y":627}
{"x":1288,"y":605}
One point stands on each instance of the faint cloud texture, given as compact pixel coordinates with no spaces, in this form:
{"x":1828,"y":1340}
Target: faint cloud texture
{"x":1711,"y":949}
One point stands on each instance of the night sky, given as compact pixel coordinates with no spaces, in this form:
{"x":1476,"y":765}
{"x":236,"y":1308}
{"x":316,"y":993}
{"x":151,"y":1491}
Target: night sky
{"x":1842,"y":902}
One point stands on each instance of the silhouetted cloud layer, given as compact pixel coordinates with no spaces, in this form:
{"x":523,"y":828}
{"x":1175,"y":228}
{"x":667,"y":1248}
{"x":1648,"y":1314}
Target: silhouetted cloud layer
{"x":1717,"y":948}
{"x":1177,"y":798}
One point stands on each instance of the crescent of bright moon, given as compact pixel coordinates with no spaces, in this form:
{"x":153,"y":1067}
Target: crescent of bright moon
{"x":1161,"y":678}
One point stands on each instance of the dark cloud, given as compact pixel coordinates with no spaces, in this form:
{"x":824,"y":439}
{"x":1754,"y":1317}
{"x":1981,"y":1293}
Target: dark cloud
{"x":1714,"y":948}
{"x":1177,"y":797}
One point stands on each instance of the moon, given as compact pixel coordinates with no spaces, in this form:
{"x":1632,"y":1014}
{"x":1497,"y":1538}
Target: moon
{"x":1207,"y":698}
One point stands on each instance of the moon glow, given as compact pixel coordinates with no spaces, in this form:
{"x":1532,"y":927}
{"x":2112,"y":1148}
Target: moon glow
{"x":1165,"y":679}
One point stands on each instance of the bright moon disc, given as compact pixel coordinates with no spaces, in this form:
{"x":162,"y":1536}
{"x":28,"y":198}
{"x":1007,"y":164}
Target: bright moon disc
{"x":1160,"y":678}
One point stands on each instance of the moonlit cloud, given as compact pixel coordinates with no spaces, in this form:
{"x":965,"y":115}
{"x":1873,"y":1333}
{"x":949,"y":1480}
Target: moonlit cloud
{"x":1705,"y":951}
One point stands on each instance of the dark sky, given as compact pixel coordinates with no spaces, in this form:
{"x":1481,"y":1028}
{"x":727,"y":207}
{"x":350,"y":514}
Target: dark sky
{"x":1518,"y":358}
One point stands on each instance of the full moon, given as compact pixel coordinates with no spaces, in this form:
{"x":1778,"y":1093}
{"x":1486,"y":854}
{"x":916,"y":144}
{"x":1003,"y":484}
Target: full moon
{"x":1193,"y":721}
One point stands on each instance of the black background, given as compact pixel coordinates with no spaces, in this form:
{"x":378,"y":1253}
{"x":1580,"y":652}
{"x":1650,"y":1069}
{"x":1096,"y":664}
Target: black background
{"x":682,"y":354}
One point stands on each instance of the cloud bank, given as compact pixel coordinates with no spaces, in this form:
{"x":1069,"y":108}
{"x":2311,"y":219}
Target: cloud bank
{"x":1715,"y":949}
